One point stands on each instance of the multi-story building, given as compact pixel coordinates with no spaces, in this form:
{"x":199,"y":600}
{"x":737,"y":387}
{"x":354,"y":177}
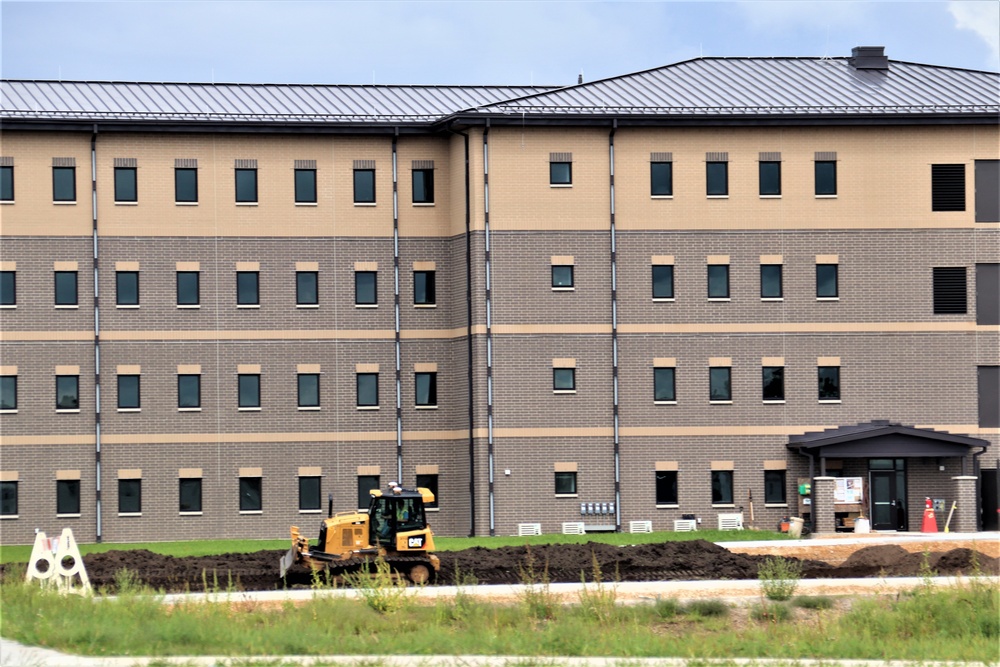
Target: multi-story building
{"x":691,"y":291}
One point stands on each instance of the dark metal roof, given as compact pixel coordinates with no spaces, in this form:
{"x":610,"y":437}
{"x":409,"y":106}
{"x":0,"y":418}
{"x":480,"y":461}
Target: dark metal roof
{"x":883,"y":439}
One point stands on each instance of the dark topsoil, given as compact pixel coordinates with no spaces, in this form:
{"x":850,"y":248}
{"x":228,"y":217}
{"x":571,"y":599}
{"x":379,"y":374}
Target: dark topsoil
{"x":666,"y":561}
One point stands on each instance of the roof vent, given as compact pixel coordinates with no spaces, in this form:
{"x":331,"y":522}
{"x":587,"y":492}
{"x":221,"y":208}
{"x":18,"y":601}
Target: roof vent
{"x":869,"y":57}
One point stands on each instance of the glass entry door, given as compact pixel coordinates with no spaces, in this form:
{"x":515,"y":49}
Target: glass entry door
{"x":887,"y":484}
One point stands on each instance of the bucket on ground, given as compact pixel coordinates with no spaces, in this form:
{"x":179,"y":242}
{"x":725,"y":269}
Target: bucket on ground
{"x":862,"y":525}
{"x":795,"y":526}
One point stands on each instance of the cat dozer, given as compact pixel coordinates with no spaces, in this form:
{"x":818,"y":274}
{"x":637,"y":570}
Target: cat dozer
{"x":395,"y":528}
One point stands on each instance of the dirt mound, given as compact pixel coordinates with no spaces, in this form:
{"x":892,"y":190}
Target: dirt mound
{"x":894,"y":561}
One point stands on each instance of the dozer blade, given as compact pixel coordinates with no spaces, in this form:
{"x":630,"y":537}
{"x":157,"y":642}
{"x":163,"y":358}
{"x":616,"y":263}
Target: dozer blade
{"x":287,"y":561}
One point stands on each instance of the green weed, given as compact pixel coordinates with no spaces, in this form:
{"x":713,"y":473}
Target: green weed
{"x":598,"y":600}
{"x":536,"y":595}
{"x":779,"y":577}
{"x":813,"y":602}
{"x":384,"y":591}
{"x":706,"y":608}
{"x":770,"y":612}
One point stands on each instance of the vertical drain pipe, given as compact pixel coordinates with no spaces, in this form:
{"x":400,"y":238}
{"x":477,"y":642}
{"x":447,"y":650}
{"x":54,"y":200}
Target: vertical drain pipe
{"x":614,"y":329}
{"x":395,"y":293}
{"x":489,"y":324}
{"x":97,"y":337}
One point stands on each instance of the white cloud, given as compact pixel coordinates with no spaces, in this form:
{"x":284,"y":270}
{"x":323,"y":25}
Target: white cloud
{"x":981,"y":17}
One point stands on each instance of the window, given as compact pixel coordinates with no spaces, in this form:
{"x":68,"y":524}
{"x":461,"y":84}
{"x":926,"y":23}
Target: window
{"x":720,"y":383}
{"x":773,"y":383}
{"x":125,"y":184}
{"x":826,"y":281}
{"x":310,"y":497}
{"x":186,"y":185}
{"x":562,"y":277}
{"x":826,"y":177}
{"x":189,"y":391}
{"x":718,"y":281}
{"x":8,"y":392}
{"x":364,"y":186}
{"x":950,"y":290}
{"x":66,"y":292}
{"x":246,"y":186}
{"x":306,"y":288}
{"x":560,"y":173}
{"x":722,"y":487}
{"x":664,"y":385}
{"x":426,"y":389}
{"x":988,"y":390}
{"x":189,"y":495}
{"x":829,"y":383}
{"x":429,"y":482}
{"x":663,"y":281}
{"x":188,"y":293}
{"x":67,"y":496}
{"x":666,"y":487}
{"x":770,"y":281}
{"x":423,"y":186}
{"x":424,"y":290}
{"x":63,"y":183}
{"x":249,"y":391}
{"x":247,"y":288}
{"x":130,"y":496}
{"x":987,"y":293}
{"x":947,"y":187}
{"x":127,"y":288}
{"x":366,"y":484}
{"x":774,"y":487}
{"x":7,"y":184}
{"x":250,"y":494}
{"x":308,"y":390}
{"x":8,"y":498}
{"x":770,"y":178}
{"x":717,"y":179}
{"x":367,"y":390}
{"x":128,"y":392}
{"x":8,"y":288}
{"x":987,"y":188}
{"x":67,"y":392}
{"x":305,"y":186}
{"x":365,"y":293}
{"x":564,"y":379}
{"x":661,"y":177}
{"x":565,"y":483}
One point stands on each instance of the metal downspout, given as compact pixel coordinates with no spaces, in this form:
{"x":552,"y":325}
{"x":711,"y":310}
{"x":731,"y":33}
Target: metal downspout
{"x":614,"y":328}
{"x":395,"y":299}
{"x":97,"y":338}
{"x":489,"y":325}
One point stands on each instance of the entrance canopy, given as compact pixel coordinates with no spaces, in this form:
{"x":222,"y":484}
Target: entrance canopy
{"x":883,"y":440}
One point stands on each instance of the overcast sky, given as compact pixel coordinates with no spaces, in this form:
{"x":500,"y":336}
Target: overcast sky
{"x":464,"y":41}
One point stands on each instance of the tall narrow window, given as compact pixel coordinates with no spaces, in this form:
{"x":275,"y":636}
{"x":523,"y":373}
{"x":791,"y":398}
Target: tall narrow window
{"x":247,"y":288}
{"x":127,"y":288}
{"x":188,"y":293}
{"x":829,"y":383}
{"x":770,"y":281}
{"x":305,"y":186}
{"x":827,"y":281}
{"x":128,"y":392}
{"x":8,"y":392}
{"x":250,"y":494}
{"x":8,"y":498}
{"x":67,"y":392}
{"x":63,"y":183}
{"x":367,"y":390}
{"x":773,"y":383}
{"x":663,"y":281}
{"x":185,"y":185}
{"x":125,"y":185}
{"x":249,"y":391}
{"x":661,"y":177}
{"x":825,"y":174}
{"x":6,"y":183}
{"x":429,"y":482}
{"x":664,"y":385}
{"x":423,"y":186}
{"x":717,"y":179}
{"x":364,"y":186}
{"x":424,"y":292}
{"x":718,"y":281}
{"x":67,"y":497}
{"x":774,"y":487}
{"x":8,"y":288}
{"x":308,"y":390}
{"x":366,"y":484}
{"x":189,"y":495}
{"x":426,"y":389}
{"x":365,"y":293}
{"x":947,"y":187}
{"x":189,"y":391}
{"x":66,"y":290}
{"x":246,"y":186}
{"x":770,"y":178}
{"x":130,"y":496}
{"x":310,"y":496}
{"x":722,"y":487}
{"x":720,"y":386}
{"x":306,"y":288}
{"x":666,"y":487}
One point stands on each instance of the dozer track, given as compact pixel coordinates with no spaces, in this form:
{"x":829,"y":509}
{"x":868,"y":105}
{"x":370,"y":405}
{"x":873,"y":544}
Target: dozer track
{"x":417,"y":569}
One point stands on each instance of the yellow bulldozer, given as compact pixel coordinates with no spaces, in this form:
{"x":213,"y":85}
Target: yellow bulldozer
{"x":394,"y":527}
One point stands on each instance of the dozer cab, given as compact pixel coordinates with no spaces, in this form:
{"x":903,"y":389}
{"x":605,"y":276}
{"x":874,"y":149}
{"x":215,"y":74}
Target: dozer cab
{"x":395,"y":527}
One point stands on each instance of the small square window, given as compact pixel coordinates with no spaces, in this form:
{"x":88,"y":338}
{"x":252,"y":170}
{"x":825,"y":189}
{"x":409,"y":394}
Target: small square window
{"x":365,"y":293}
{"x":66,"y":289}
{"x":7,"y":183}
{"x":8,"y":288}
{"x":423,"y":186}
{"x":826,"y":177}
{"x":8,"y":498}
{"x":829,"y":383}
{"x":664,"y":384}
{"x":366,"y":484}
{"x":8,"y":392}
{"x":310,"y":496}
{"x":188,"y":391}
{"x":189,"y":494}
{"x":565,"y":483}
{"x":774,"y":487}
{"x":247,"y":288}
{"x":67,"y":392}
{"x":306,"y":288}
{"x":127,"y":288}
{"x":661,"y":177}
{"x":367,"y":390}
{"x":560,"y":173}
{"x":125,"y":184}
{"x":250,"y":494}
{"x":562,"y":276}
{"x":717,"y":178}
{"x":770,"y":178}
{"x":773,"y":383}
{"x":666,"y":487}
{"x":305,"y":186}
{"x":129,"y":496}
{"x":186,"y":185}
{"x":63,"y":183}
{"x":308,"y":390}
{"x":720,"y":383}
{"x":246,"y":186}
{"x":249,"y":391}
{"x":364,"y":186}
{"x":722,"y":487}
{"x":564,"y":379}
{"x":188,"y":292}
{"x":128,"y":392}
{"x":718,"y":281}
{"x":429,"y":482}
{"x":770,"y":281}
{"x":826,"y":281}
{"x":426,"y":389}
{"x":67,"y":496}
{"x":663,"y":281}
{"x":424,"y":289}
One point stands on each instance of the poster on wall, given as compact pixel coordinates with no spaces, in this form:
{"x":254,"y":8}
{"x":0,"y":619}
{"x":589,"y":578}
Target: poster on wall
{"x":848,"y":491}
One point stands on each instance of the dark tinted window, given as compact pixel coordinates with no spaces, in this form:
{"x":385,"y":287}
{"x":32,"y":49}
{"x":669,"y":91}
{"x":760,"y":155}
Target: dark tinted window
{"x":8,"y":288}
{"x":950,"y":296}
{"x":718,"y":281}
{"x":426,"y":388}
{"x":987,"y":293}
{"x":364,"y":186}
{"x":826,"y":281}
{"x":66,"y":294}
{"x":128,"y":391}
{"x":67,"y":392}
{"x":8,"y":498}
{"x":127,"y":288}
{"x":367,"y":389}
{"x":64,"y":183}
{"x":305,"y":186}
{"x":125,"y":185}
{"x":364,"y":288}
{"x":247,"y":288}
{"x":306,"y":288}
{"x":661,"y":177}
{"x":562,"y":276}
{"x":666,"y":487}
{"x":829,"y":383}
{"x":565,"y":482}
{"x":8,"y":392}
{"x":308,"y":390}
{"x":664,"y":384}
{"x":189,"y":391}
{"x":249,"y":391}
{"x":6,"y":183}
{"x":988,"y":378}
{"x":663,"y":281}
{"x":770,"y":178}
{"x":774,"y":487}
{"x":186,"y":185}
{"x":423,"y":186}
{"x":826,"y":177}
{"x":770,"y":281}
{"x":722,"y":487}
{"x":424,"y":292}
{"x":187,"y":288}
{"x":190,"y":495}
{"x":560,"y":173}
{"x":68,"y":496}
{"x":129,"y":496}
{"x":310,"y":497}
{"x":773,"y":383}
{"x":246,"y":185}
{"x":429,"y":482}
{"x":987,"y":190}
{"x":947,"y":187}
{"x":250,"y":494}
{"x":563,"y":379}
{"x":719,"y":384}
{"x":717,"y":178}
{"x":366,"y":483}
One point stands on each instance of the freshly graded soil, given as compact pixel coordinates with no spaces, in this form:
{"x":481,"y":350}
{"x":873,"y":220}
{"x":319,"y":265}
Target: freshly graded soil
{"x":694,"y":560}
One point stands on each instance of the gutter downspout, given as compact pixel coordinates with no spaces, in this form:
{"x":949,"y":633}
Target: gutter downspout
{"x":97,"y":339}
{"x":614,"y":330}
{"x":489,"y":325}
{"x":977,"y":471}
{"x":395,"y":298}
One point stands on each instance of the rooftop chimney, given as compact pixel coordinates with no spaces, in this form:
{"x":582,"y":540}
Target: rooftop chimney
{"x":869,"y":57}
{"x":579,"y":79}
